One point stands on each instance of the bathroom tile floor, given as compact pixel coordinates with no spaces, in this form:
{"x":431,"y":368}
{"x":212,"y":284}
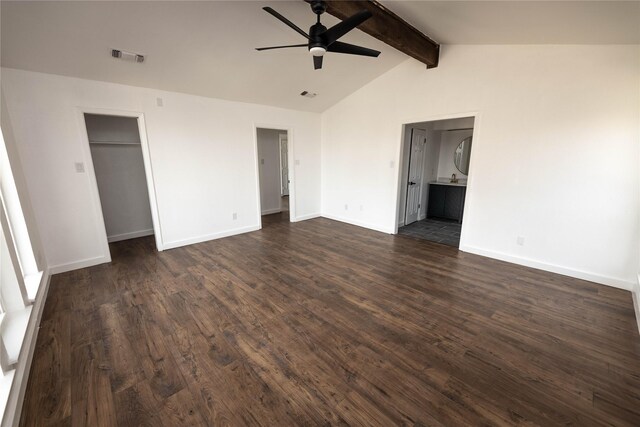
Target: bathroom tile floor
{"x":435,"y":230}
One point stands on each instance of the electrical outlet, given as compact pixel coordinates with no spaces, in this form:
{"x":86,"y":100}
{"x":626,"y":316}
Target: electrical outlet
{"x":159,"y":102}
{"x":520,"y":241}
{"x":297,"y":162}
{"x":235,"y":216}
{"x":79,"y":167}
{"x":346,"y":207}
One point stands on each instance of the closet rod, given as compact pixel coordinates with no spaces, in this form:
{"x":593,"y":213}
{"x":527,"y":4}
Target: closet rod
{"x":113,"y":143}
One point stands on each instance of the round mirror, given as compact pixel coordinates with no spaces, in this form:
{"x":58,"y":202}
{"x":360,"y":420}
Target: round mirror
{"x":462,"y":155}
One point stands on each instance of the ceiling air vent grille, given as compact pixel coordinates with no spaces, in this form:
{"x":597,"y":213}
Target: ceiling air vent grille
{"x":127,"y":56}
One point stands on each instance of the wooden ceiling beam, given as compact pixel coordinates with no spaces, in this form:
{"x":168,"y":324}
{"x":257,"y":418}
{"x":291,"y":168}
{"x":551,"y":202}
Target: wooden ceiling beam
{"x":389,"y":28}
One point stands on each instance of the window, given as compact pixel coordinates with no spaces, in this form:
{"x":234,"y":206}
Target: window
{"x":20,"y":276}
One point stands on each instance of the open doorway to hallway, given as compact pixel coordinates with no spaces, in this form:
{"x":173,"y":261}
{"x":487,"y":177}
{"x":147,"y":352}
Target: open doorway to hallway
{"x":273,"y":159}
{"x":434,"y":171}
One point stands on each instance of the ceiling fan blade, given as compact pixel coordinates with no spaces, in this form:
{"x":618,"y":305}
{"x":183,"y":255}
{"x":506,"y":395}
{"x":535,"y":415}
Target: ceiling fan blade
{"x":285,"y":20}
{"x":282,"y":47}
{"x":352,"y":49}
{"x":342,"y":28}
{"x":317,"y":62}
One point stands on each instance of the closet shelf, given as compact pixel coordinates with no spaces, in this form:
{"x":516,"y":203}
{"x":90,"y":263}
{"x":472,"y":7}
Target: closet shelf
{"x":113,"y":143}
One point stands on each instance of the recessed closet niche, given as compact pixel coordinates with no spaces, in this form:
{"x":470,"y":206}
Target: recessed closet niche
{"x":120,"y":174}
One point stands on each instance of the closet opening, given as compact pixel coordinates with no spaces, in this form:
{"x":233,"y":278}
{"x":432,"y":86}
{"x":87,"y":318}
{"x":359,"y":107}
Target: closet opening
{"x":121,"y":178}
{"x":273,"y":174}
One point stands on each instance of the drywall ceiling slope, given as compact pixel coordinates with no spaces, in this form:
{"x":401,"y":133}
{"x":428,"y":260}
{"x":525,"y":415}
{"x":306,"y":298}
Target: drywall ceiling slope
{"x":523,"y":22}
{"x":201,"y":48}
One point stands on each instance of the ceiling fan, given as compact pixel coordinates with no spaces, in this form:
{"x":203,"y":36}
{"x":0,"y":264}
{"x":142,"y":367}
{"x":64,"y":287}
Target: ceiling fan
{"x":323,"y":40}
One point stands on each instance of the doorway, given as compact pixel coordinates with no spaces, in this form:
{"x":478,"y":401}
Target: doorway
{"x":435,"y":165}
{"x":117,"y":157}
{"x":415,"y":175}
{"x":273,"y":174}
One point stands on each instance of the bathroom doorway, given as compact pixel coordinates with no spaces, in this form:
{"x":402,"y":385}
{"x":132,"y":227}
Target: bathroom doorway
{"x":435,"y":162}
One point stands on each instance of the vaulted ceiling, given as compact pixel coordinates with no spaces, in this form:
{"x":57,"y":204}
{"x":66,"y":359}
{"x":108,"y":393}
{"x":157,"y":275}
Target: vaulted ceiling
{"x":202,"y":48}
{"x":524,"y":22}
{"x":207,"y":48}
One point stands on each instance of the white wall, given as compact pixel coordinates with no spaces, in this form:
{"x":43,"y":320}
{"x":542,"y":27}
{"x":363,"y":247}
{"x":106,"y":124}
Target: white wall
{"x":202,"y":153}
{"x":16,"y":176}
{"x":449,"y":142}
{"x":269,"y":157}
{"x":555,"y":154}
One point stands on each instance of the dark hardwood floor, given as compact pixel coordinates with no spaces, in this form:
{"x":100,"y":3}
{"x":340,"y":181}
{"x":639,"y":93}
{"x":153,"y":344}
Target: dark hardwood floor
{"x":323,"y":323}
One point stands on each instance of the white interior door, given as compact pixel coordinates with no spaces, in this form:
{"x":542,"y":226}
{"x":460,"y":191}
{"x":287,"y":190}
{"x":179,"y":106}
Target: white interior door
{"x":284,"y":165}
{"x":414,"y":179}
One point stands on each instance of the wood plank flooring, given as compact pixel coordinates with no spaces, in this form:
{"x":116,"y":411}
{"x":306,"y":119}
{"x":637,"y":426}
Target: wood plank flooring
{"x":323,"y":323}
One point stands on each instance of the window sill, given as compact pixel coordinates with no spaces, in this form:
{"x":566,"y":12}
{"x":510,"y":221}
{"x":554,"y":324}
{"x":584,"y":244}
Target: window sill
{"x":32,"y":283}
{"x":13,"y":330}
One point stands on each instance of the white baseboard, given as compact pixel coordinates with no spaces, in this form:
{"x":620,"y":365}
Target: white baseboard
{"x":207,"y":237}
{"x":305,"y":217}
{"x":131,"y":235}
{"x":13,"y":410}
{"x":271,"y":211}
{"x":359,"y":223}
{"x":578,"y":274}
{"x":76,"y":265}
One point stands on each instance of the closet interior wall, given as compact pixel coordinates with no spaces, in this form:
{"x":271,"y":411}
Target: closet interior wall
{"x":119,"y":167}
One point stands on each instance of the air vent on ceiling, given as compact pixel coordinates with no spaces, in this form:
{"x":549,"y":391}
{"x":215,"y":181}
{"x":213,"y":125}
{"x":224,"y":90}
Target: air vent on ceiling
{"x":308,"y":94}
{"x":127,"y":56}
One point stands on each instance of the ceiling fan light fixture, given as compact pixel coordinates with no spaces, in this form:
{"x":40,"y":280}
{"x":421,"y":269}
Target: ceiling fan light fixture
{"x":318,"y":51}
{"x":322,"y":40}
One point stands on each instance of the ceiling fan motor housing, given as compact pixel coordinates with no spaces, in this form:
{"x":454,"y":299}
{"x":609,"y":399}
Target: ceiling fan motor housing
{"x":317,"y":43}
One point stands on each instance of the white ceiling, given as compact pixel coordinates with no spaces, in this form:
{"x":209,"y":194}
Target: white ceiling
{"x":202,"y":48}
{"x":523,"y":22}
{"x":207,"y":48}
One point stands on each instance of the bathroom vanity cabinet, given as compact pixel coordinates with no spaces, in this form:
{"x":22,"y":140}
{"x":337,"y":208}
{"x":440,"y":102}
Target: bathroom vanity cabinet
{"x":446,"y":200}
